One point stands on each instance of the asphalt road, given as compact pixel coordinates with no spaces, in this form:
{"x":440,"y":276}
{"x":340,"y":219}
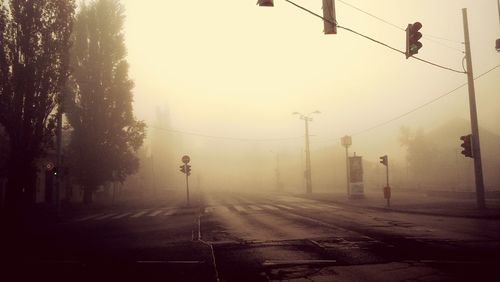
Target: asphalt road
{"x":251,"y":237}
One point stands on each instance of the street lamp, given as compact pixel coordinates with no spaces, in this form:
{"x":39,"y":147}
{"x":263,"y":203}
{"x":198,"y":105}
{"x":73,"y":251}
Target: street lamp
{"x":307,"y":175}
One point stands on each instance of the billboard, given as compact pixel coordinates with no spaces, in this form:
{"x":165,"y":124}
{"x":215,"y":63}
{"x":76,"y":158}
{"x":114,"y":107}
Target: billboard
{"x":356,"y":177}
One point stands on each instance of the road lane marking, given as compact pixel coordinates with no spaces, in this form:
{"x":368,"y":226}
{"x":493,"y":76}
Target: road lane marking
{"x":106,"y":216}
{"x":239,"y":208}
{"x":170,"y":212}
{"x":155,"y":213}
{"x":90,"y":217}
{"x":270,"y":207}
{"x":223,"y":208}
{"x":139,"y":214}
{"x":285,"y":207}
{"x":121,"y":215}
{"x":302,"y":206}
{"x":209,"y":209}
{"x":255,"y":208}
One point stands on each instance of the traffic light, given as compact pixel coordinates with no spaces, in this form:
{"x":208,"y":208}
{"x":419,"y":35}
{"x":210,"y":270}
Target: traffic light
{"x":54,"y":171}
{"x":188,"y":170}
{"x":383,"y":160}
{"x":467,"y":145}
{"x":412,"y":39}
{"x":265,"y":3}
{"x":183,"y":168}
{"x":329,"y":22}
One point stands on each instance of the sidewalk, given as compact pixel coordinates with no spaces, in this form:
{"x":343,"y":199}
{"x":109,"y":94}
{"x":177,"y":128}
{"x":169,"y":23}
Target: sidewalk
{"x":417,"y":203}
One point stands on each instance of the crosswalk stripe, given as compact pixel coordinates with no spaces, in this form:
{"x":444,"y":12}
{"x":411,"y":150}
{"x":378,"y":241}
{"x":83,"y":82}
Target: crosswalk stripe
{"x":170,"y":212}
{"x":256,"y":208}
{"x":121,"y":215}
{"x":285,"y":207}
{"x":239,"y":208}
{"x":106,"y":216}
{"x":223,"y":208}
{"x":139,"y":214}
{"x":155,"y":213}
{"x":270,"y":207}
{"x":89,"y":217}
{"x":302,"y":206}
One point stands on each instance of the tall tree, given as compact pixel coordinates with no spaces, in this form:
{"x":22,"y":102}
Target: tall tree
{"x":34,"y":50}
{"x":106,"y":135}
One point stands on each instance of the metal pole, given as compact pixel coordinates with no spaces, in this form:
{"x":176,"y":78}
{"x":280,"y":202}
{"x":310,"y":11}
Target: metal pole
{"x":387,"y":182}
{"x":278,"y":172}
{"x":347,"y":171}
{"x":187,"y":185}
{"x":476,"y":151}
{"x":308,"y":160}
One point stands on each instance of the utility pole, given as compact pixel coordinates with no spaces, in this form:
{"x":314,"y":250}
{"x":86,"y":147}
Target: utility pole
{"x":307,"y":119}
{"x":478,"y":170}
{"x":278,"y":184}
{"x":308,"y":159}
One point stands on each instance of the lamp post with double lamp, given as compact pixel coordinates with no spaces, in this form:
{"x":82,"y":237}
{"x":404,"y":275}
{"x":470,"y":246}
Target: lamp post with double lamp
{"x":307,"y":173}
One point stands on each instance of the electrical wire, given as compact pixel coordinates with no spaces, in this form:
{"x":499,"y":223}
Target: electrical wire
{"x":372,"y":39}
{"x":224,"y":137}
{"x":421,"y":106}
{"x":402,"y":29}
{"x":353,"y":134}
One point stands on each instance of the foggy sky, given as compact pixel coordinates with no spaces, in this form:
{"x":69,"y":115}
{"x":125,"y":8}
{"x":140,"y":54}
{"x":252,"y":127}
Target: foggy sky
{"x":233,"y":69}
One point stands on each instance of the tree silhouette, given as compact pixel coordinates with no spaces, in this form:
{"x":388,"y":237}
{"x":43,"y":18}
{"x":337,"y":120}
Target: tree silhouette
{"x":105,"y":134}
{"x":34,"y":45}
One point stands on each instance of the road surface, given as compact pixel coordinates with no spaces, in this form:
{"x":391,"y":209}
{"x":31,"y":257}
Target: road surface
{"x":255,"y":237}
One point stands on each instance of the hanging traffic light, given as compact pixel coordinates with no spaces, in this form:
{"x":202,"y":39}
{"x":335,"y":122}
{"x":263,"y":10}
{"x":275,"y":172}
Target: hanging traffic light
{"x":467,"y":145}
{"x":183,"y":168}
{"x":412,"y":39}
{"x":383,"y":160}
{"x":265,"y":3}
{"x":329,"y":22}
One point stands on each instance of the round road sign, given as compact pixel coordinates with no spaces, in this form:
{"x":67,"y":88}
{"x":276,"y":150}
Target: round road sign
{"x":185,"y":159}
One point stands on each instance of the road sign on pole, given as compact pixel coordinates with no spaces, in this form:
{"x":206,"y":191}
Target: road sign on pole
{"x":186,"y":159}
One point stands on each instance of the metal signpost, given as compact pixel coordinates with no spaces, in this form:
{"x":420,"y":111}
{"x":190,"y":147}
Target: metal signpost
{"x":186,"y":169}
{"x":346,"y":141}
{"x":387,"y":188}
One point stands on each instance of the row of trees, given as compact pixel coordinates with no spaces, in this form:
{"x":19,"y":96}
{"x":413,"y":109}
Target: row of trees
{"x":53,"y":58}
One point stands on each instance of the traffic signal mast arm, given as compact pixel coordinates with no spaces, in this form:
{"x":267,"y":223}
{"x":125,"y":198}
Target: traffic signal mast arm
{"x":270,"y":3}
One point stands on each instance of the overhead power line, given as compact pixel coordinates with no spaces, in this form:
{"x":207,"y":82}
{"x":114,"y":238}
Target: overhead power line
{"x":421,"y":106}
{"x":372,"y":39}
{"x":224,"y":137}
{"x":426,"y":36}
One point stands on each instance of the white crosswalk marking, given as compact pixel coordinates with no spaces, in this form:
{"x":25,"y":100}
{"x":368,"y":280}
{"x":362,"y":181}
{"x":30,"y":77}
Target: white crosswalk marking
{"x":285,"y":207}
{"x":170,"y":212}
{"x":239,"y":208}
{"x":121,"y":215}
{"x":90,"y":217}
{"x":302,"y":206}
{"x":139,"y":214}
{"x":106,"y":216}
{"x":255,"y":208}
{"x":155,"y":213}
{"x":270,"y":207}
{"x":223,"y":208}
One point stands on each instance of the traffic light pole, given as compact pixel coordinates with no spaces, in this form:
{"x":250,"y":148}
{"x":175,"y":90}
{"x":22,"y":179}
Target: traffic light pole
{"x":308,"y":160}
{"x":476,"y":151}
{"x":187,"y":187}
